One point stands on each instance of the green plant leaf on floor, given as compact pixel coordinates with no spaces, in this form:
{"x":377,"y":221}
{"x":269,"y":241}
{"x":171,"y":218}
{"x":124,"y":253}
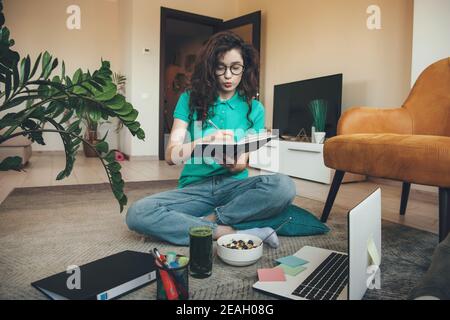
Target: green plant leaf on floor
{"x":11,"y":163}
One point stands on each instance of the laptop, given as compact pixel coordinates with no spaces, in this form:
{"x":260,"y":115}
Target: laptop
{"x":333,"y":275}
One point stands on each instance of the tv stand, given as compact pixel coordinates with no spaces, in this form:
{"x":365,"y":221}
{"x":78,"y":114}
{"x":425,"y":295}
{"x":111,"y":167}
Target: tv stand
{"x":302,"y":160}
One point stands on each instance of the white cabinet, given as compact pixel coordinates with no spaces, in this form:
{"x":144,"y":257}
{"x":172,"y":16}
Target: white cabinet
{"x":296,"y":159}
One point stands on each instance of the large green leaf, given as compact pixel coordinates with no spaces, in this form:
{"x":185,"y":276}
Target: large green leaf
{"x":21,"y":99}
{"x":114,"y":167}
{"x":116,"y":177}
{"x":63,"y":70}
{"x":140,"y":134}
{"x":50,"y":67}
{"x":16,"y":77}
{"x":109,"y":91}
{"x":102,"y":147}
{"x":8,"y":77}
{"x":131,"y":116}
{"x":126,"y":109}
{"x":35,"y":136}
{"x":116,"y":103}
{"x":94,"y":114}
{"x":77,"y":76}
{"x":46,"y":60}
{"x":133,"y":126}
{"x":73,"y":126}
{"x":11,"y":163}
{"x":110,"y":157}
{"x":67,"y":116}
{"x":25,"y":70}
{"x":36,"y":65}
{"x":10,"y":119}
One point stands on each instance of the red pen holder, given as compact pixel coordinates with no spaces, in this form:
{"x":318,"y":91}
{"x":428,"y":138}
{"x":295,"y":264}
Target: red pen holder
{"x":173,"y":283}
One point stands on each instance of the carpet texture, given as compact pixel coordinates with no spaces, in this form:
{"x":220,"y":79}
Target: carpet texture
{"x":45,"y":229}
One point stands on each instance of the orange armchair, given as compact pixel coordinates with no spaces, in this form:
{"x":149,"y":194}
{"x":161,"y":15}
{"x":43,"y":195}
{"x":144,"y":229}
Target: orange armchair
{"x":410,"y":144}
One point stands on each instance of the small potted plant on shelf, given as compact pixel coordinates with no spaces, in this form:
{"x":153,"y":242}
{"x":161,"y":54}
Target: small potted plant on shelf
{"x":318,"y":108}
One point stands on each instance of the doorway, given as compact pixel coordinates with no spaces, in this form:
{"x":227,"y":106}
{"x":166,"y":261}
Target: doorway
{"x":182,"y":35}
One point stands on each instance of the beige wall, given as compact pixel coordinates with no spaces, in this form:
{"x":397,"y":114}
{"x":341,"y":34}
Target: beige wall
{"x":431,"y":35}
{"x":300,"y":39}
{"x":40,"y":25}
{"x":303,"y":39}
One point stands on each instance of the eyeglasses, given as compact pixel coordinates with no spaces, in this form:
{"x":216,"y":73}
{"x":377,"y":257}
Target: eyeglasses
{"x":235,"y":69}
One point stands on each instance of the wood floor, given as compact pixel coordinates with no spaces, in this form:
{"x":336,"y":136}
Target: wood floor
{"x":422,"y":212}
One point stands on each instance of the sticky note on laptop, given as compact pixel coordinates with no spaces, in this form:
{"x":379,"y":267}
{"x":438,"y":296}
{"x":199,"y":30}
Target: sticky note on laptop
{"x":274,"y":274}
{"x":292,"y":271}
{"x":291,"y":261}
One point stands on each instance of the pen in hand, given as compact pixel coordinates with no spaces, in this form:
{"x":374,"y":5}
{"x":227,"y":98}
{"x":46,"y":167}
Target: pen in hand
{"x":221,"y":131}
{"x":213,"y":124}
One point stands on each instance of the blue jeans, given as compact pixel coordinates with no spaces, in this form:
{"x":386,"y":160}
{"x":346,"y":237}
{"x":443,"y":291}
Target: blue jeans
{"x":169,"y":215}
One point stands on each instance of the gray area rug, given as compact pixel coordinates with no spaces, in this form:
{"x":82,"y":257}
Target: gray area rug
{"x":45,"y":229}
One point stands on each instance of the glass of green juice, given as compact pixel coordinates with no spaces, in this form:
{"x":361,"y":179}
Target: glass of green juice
{"x":200,"y":251}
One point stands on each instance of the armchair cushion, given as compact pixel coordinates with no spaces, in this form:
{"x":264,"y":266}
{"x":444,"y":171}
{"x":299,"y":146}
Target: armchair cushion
{"x":420,"y":159}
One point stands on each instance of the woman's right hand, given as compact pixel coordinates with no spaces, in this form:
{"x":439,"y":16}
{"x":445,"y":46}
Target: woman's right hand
{"x":220,"y":136}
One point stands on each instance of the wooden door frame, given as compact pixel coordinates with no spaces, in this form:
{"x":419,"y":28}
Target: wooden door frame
{"x":253,"y":18}
{"x":217,"y":25}
{"x":167,"y":13}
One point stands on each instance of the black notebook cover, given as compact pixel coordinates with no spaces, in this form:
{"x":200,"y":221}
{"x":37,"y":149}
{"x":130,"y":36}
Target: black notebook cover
{"x":125,"y":271}
{"x":248,"y":144}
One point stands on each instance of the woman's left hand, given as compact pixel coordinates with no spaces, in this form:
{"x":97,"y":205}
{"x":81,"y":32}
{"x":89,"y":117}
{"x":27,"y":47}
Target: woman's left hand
{"x":235,"y":165}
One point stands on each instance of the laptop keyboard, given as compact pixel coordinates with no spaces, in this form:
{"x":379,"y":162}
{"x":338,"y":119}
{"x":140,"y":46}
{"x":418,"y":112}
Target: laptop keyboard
{"x":327,"y":281}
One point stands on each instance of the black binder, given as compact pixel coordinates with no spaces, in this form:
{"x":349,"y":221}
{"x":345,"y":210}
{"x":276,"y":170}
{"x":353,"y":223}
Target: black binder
{"x":102,"y":279}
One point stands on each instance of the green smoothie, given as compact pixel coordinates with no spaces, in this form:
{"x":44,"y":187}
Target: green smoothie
{"x":201,"y":251}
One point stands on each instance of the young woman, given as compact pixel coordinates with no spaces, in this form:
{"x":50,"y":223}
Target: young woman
{"x":218,"y":106}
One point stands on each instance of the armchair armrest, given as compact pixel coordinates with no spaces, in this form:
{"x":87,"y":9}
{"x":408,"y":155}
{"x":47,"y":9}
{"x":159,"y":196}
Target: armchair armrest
{"x":375,"y":120}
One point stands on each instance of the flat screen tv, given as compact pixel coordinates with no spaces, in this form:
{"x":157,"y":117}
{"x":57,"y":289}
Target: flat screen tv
{"x":291,"y":113}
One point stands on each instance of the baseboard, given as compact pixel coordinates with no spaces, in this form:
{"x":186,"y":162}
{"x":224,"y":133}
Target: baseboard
{"x":141,"y":158}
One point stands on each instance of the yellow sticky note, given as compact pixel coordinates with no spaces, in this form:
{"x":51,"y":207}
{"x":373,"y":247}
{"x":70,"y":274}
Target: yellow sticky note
{"x":373,"y":251}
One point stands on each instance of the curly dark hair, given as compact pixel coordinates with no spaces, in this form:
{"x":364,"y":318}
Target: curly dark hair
{"x":204,"y":84}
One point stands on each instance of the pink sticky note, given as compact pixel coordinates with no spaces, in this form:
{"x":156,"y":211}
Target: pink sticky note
{"x":274,"y":274}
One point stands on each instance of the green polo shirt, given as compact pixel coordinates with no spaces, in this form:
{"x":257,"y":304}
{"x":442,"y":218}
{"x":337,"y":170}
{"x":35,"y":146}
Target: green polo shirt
{"x":230,"y":114}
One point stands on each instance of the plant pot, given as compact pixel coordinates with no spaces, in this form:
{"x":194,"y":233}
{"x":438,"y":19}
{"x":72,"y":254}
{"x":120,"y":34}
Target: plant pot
{"x":88,"y":151}
{"x":91,"y":137}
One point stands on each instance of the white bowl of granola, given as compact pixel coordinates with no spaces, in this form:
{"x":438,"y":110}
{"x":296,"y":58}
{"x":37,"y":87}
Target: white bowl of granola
{"x":239,"y":249}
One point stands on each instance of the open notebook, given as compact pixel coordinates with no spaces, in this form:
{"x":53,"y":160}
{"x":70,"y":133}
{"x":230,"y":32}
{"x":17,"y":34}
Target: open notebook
{"x":249,"y":143}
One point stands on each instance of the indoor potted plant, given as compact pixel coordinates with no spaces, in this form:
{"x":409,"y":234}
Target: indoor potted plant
{"x":92,"y":121}
{"x":318,"y":109}
{"x":34,"y":100}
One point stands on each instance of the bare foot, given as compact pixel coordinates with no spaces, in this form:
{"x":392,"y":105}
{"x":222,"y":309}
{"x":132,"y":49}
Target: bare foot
{"x":221,"y":231}
{"x":211,"y":217}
